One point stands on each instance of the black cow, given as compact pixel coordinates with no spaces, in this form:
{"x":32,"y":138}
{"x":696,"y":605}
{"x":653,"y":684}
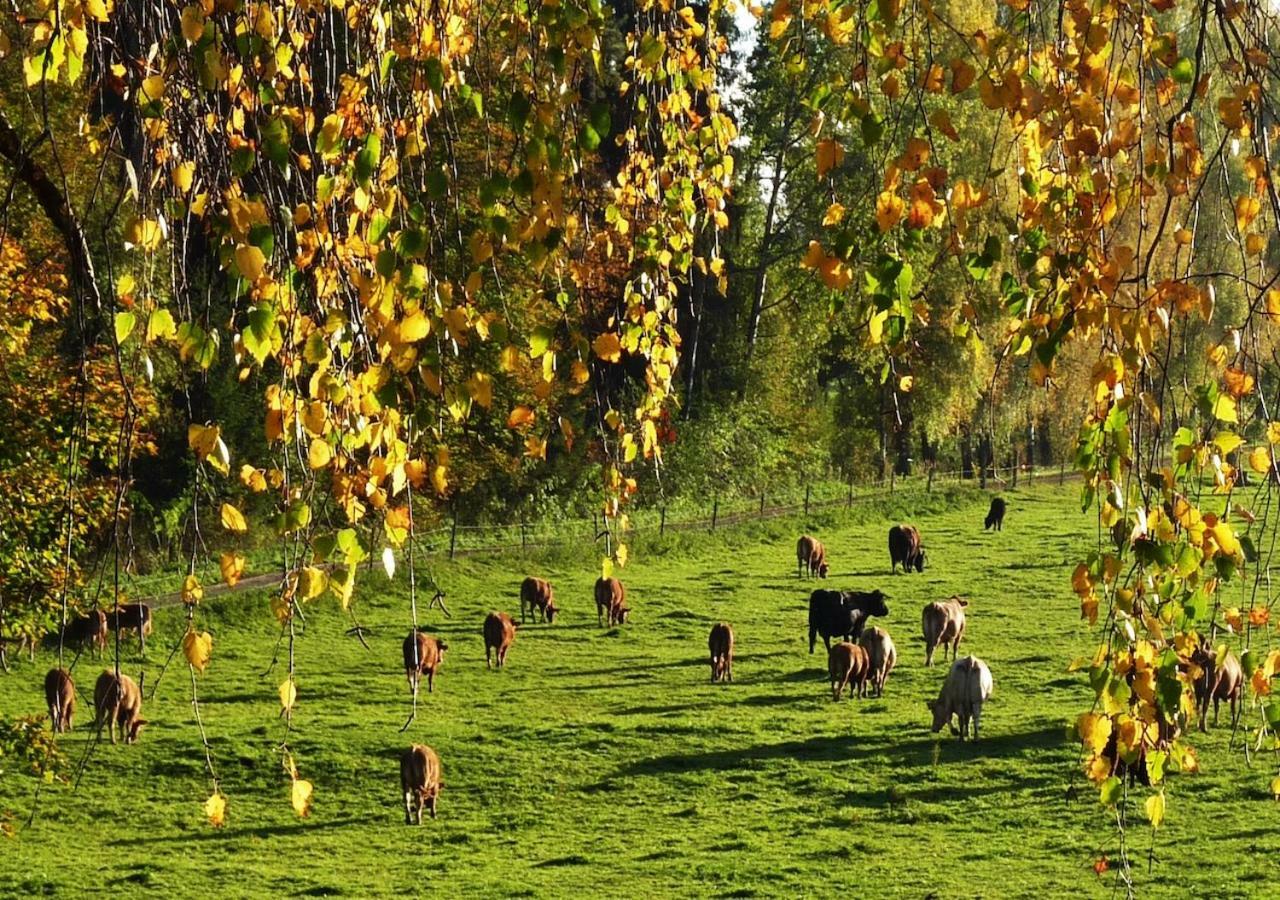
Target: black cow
{"x":842,"y":614}
{"x":995,"y":515}
{"x":905,"y":548}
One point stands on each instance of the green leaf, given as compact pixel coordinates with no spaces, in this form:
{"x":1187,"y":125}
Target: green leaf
{"x":126,"y":321}
{"x":1112,"y":791}
{"x":540,"y":341}
{"x":1183,"y":71}
{"x":160,"y":325}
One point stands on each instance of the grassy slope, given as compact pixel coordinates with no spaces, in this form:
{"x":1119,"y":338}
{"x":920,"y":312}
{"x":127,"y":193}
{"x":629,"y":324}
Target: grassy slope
{"x":602,"y":762}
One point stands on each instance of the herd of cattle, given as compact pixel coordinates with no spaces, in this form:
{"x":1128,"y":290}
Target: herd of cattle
{"x":860,"y":661}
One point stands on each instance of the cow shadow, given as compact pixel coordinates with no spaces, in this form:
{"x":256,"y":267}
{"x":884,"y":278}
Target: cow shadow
{"x":233,"y":834}
{"x":854,"y":747}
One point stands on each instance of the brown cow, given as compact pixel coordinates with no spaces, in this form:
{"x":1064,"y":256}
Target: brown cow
{"x":420,"y":781}
{"x":134,"y":617}
{"x":905,"y":547}
{"x":882,"y":656}
{"x":422,"y":653}
{"x":811,"y":557}
{"x":943,"y":623}
{"x":847,"y":662}
{"x":118,"y":701}
{"x":499,"y":632}
{"x":611,"y":599}
{"x":60,"y":695}
{"x":1217,"y":683}
{"x":720,"y":643}
{"x":88,"y":631}
{"x":537,"y":594}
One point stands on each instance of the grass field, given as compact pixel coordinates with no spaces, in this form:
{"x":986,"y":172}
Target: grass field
{"x":602,"y":762}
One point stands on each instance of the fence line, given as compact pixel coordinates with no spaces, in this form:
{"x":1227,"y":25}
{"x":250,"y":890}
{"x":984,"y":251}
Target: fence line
{"x":442,"y":541}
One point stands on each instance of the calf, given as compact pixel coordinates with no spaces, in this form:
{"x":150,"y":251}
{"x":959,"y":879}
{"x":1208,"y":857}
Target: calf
{"x":611,"y":599}
{"x":905,"y":548}
{"x":995,"y":515}
{"x":967,"y":687}
{"x":422,"y":654}
{"x":60,"y":695}
{"x":882,"y":656}
{"x":1217,"y":683}
{"x":720,"y":643}
{"x":537,"y":594}
{"x":87,"y":631}
{"x":811,"y":557}
{"x":131,"y":617}
{"x":118,"y":701}
{"x":499,"y":632}
{"x":842,"y":614}
{"x":420,"y":781}
{"x":847,"y":662}
{"x":943,"y":623}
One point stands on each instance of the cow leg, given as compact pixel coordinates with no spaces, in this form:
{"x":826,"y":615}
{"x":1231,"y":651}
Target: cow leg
{"x":431,"y":681}
{"x":431,"y":805}
{"x":928,"y":653}
{"x":488,"y":664}
{"x":977,"y":717}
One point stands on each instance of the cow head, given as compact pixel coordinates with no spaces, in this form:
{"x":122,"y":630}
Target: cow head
{"x":941,"y":715}
{"x":920,"y":560}
{"x":873,"y":603}
{"x":442,"y":646}
{"x":134,"y":729}
{"x":623,"y":612}
{"x":822,"y":569}
{"x":552,"y":609}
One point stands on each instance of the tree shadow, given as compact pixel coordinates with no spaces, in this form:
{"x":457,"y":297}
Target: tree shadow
{"x":232,"y":834}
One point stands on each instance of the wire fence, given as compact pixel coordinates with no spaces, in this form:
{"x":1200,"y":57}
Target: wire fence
{"x":456,"y":539}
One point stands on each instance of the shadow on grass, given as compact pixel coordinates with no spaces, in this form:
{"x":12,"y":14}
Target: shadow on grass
{"x":853,"y":748}
{"x":233,"y":834}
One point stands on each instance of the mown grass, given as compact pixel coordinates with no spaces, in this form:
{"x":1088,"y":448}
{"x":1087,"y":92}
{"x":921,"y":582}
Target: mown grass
{"x":602,"y":762}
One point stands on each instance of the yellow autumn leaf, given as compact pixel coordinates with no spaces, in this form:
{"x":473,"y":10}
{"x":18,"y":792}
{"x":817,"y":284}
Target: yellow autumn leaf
{"x":579,"y":372}
{"x":905,"y":383}
{"x":312,"y":582}
{"x":203,"y":439}
{"x":288,"y":695}
{"x":197,"y":647}
{"x":153,"y":88}
{"x":192,"y":24}
{"x":254,"y":479}
{"x":620,"y":554}
{"x":440,"y":479}
{"x":233,"y":519}
{"x":608,"y":347}
{"x":215,"y":809}
{"x":606,"y":568}
{"x":300,"y":797}
{"x":480,"y":389}
{"x":829,"y":155}
{"x":888,"y":210}
{"x":1224,"y":409}
{"x":521,"y":417}
{"x":232,"y":568}
{"x":250,"y":262}
{"x":835,"y":212}
{"x":183,"y":175}
{"x":1155,"y":809}
{"x":319,"y":454}
{"x":192,"y":590}
{"x":414,"y":327}
{"x":1247,"y":209}
{"x":535,"y":447}
{"x":143,"y":233}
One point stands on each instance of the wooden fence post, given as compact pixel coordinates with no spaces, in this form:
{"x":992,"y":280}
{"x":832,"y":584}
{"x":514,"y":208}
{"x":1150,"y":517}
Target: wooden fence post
{"x":806,"y":499}
{"x":762,"y":503}
{"x":715,"y":512}
{"x":524,"y":537}
{"x":662,"y":524}
{"x":453,"y":535}
{"x":929,"y":487}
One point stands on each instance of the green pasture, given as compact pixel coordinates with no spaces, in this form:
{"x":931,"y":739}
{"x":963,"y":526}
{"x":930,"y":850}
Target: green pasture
{"x":602,"y":762}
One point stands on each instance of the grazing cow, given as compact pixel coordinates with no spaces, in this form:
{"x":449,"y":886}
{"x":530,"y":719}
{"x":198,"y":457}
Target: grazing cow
{"x":1217,"y":683}
{"x":537,"y":594}
{"x":422,"y":654}
{"x":131,"y":617}
{"x":842,"y":614}
{"x":943,"y":624}
{"x":118,"y":701}
{"x":60,"y":695}
{"x":720,"y":643}
{"x":847,"y":662}
{"x":905,"y":548}
{"x":87,"y":631}
{"x":882,"y":656}
{"x":499,"y":632}
{"x":611,"y":599}
{"x":811,"y":557}
{"x":995,"y":515}
{"x":420,"y":781}
{"x":967,"y":687}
